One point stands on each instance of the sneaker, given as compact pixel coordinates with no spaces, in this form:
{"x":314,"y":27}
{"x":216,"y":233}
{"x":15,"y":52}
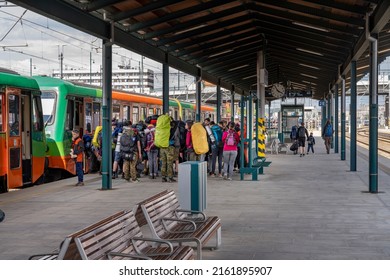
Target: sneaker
{"x":213,"y":175}
{"x":135,"y":181}
{"x":220,"y":175}
{"x":171,"y":180}
{"x":229,"y":179}
{"x":164,"y":179}
{"x":300,"y":155}
{"x":80,"y":184}
{"x":225,"y":178}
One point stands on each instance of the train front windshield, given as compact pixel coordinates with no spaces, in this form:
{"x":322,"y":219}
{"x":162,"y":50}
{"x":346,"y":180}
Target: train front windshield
{"x":48,"y":106}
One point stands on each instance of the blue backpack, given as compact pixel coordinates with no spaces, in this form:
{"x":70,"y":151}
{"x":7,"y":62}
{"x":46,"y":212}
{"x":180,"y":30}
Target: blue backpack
{"x":294,"y":132}
{"x":328,"y":130}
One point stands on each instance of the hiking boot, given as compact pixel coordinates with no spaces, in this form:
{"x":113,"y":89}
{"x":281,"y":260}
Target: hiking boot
{"x":135,"y":181}
{"x":164,"y":179}
{"x":171,"y":180}
{"x":80,"y":184}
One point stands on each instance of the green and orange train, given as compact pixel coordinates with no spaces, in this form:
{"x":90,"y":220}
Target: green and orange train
{"x":47,"y":110}
{"x":22,"y":139}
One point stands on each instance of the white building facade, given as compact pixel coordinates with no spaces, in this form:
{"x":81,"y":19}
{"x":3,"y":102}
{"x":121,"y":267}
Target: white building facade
{"x":127,"y":79}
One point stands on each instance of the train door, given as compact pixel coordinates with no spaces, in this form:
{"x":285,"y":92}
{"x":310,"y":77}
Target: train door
{"x":26,"y":138}
{"x":3,"y":145}
{"x":15,"y":171}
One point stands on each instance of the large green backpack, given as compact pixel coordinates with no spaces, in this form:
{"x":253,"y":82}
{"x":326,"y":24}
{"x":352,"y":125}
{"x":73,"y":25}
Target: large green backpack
{"x":163,"y":128}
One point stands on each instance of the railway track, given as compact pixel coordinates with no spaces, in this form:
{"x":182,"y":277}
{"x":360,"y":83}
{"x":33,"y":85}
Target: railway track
{"x":383,"y":139}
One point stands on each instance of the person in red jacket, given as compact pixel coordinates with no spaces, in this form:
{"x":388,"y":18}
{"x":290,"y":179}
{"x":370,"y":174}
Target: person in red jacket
{"x":77,"y":153}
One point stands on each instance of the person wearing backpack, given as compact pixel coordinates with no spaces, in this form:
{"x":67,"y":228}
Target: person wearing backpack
{"x":152,"y":151}
{"x":167,"y":154}
{"x":230,"y":138}
{"x":293,"y":137}
{"x":76,"y":153}
{"x":327,"y":134}
{"x":218,"y":149}
{"x":130,"y":148}
{"x":302,"y":135}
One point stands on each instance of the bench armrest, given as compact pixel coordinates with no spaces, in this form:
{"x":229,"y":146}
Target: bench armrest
{"x":257,"y":159}
{"x":115,"y":254}
{"x":180,"y":221}
{"x":160,"y":241}
{"x":49,"y":256}
{"x":191,"y":212}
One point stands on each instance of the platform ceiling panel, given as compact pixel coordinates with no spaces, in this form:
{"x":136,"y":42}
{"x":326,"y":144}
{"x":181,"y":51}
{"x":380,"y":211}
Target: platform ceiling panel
{"x":307,"y":43}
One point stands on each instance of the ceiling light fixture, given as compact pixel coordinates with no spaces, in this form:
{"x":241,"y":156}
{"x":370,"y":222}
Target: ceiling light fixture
{"x":310,"y":83}
{"x":309,"y":76}
{"x":238,"y":67}
{"x":309,"y":66}
{"x":310,"y":26}
{"x":308,"y":51}
{"x":252,"y":76}
{"x":189,"y":29}
{"x":362,"y":67}
{"x":217,"y":54}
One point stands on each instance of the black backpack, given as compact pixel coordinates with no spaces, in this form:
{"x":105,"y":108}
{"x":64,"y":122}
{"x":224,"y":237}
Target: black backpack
{"x":127,"y":143}
{"x":182,"y":134}
{"x":301,"y":132}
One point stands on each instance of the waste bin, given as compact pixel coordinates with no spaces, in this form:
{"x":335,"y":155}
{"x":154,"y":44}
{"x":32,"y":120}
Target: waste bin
{"x":193,"y":185}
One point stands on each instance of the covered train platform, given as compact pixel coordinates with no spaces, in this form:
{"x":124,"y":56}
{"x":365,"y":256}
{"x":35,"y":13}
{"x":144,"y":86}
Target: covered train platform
{"x":301,"y":208}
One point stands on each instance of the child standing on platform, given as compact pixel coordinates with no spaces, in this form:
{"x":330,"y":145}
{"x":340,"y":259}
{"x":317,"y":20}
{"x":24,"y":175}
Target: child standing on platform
{"x":77,"y":154}
{"x":310,"y":143}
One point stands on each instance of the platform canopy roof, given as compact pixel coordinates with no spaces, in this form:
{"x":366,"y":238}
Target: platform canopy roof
{"x":308,"y":43}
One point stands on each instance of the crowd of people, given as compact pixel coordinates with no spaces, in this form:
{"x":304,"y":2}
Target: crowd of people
{"x":137,"y":153}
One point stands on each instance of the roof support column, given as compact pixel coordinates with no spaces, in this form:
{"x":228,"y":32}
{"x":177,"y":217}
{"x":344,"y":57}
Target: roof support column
{"x":330,"y":113}
{"x":232,"y":105}
{"x":336,"y":118}
{"x":352,"y":111}
{"x":260,"y":86}
{"x":343,"y":100}
{"x":373,"y":134}
{"x":198,"y":97}
{"x":219,"y":99}
{"x":165,"y":87}
{"x":106,"y":110}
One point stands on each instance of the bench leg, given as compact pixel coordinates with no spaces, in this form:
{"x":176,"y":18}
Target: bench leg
{"x":254,"y":175}
{"x":218,"y":238}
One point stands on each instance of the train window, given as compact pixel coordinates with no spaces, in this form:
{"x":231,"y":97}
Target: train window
{"x":1,"y":112}
{"x":48,"y":106}
{"x":88,"y":117}
{"x":69,"y":115}
{"x":158,"y":111}
{"x":13,"y":115}
{"x":37,"y":115}
{"x":116,"y":110}
{"x":96,"y":115}
{"x":135,"y":114}
{"x":143,"y":113}
{"x":151,"y":112}
{"x":126,"y":112}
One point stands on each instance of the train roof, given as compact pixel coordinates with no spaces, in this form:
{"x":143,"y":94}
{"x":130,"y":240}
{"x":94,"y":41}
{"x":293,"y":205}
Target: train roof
{"x":93,"y":91}
{"x":15,"y":80}
{"x":46,"y":82}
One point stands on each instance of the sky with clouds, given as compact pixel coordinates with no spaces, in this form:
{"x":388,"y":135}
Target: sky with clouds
{"x":25,"y":35}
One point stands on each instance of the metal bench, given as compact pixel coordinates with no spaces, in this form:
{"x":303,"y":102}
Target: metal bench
{"x":167,"y":221}
{"x":115,"y":237}
{"x":122,"y":238}
{"x":261,"y":163}
{"x":68,"y":249}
